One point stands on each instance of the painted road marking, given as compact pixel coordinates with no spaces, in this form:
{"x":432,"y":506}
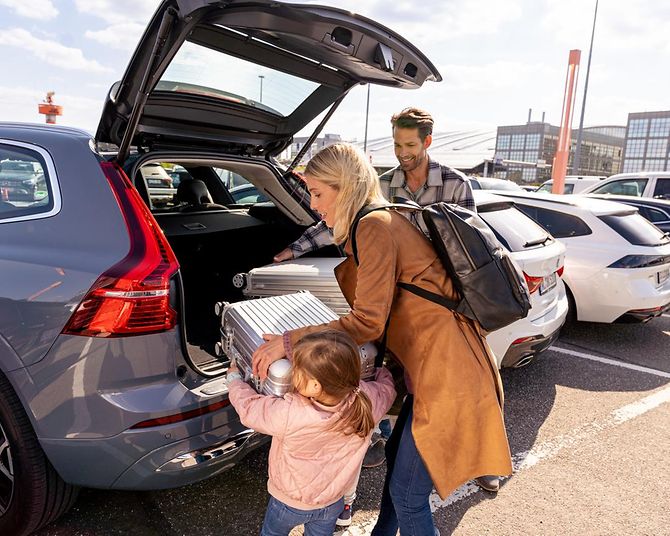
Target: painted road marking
{"x":614,"y":362}
{"x":550,"y":448}
{"x":665,"y":315}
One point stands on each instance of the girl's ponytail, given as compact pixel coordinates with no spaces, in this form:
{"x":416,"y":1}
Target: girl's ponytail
{"x":332,"y":358}
{"x":357,"y":417}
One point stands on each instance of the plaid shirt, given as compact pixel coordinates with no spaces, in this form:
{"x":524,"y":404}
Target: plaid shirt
{"x":443,"y":184}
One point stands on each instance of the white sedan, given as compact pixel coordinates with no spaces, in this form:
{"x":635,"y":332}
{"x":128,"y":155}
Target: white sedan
{"x":617,"y":264}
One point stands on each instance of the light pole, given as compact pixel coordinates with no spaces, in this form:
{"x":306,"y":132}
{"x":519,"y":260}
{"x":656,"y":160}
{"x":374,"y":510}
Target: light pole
{"x":578,"y":149}
{"x":261,"y":78}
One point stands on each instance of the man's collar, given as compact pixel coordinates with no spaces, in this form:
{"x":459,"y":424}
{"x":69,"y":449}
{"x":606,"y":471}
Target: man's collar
{"x":434,"y":175}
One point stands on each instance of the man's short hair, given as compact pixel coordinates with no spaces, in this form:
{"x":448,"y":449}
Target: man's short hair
{"x":414,"y":118}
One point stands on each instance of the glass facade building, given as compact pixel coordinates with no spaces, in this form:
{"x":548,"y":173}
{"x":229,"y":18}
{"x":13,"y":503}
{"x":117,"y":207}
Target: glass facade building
{"x":527,"y":151}
{"x":647,"y":142}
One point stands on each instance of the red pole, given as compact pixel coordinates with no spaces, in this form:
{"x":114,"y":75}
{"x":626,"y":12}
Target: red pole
{"x":563,"y":148}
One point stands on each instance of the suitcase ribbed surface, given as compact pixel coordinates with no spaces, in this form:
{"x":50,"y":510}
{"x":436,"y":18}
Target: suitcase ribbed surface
{"x":315,"y":275}
{"x":243,"y":323}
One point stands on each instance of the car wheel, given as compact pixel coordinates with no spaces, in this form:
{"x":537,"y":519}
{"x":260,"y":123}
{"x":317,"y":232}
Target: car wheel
{"x":31,"y":492}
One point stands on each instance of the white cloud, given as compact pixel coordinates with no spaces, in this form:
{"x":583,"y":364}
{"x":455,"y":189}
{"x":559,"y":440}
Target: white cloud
{"x":119,"y":11}
{"x":33,"y":9}
{"x":121,"y":36}
{"x":51,"y":52}
{"x":620,"y":24}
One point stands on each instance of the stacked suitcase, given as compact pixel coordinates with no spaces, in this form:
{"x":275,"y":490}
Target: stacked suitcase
{"x":244,"y":323}
{"x":313,"y":274}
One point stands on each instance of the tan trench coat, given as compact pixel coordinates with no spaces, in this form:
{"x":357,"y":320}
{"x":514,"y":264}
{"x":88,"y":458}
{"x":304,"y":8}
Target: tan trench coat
{"x":458,"y":424}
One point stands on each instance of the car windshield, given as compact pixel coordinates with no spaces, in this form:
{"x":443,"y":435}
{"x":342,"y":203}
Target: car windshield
{"x":197,"y":70}
{"x":514,"y":229}
{"x":636,"y":229}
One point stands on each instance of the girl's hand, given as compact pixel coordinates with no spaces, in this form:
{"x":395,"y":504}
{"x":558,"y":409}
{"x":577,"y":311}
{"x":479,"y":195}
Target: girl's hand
{"x":266,"y":354}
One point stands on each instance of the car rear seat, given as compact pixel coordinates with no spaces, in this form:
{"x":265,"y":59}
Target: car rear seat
{"x":193,"y":196}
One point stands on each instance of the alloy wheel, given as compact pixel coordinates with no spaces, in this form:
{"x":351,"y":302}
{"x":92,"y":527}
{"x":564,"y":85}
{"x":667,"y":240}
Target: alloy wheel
{"x":6,"y":472}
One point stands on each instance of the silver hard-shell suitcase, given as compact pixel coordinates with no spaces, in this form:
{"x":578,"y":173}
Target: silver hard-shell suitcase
{"x":244,"y":323}
{"x":313,"y":274}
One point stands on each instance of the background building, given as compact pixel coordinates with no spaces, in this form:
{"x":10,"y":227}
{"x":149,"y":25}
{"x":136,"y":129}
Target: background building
{"x":647,"y":142}
{"x":524,"y":153}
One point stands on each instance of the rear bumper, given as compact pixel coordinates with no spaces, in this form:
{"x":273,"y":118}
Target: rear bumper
{"x":541,"y":328}
{"x":643,"y":315}
{"x":522,"y":353}
{"x":113,"y":413}
{"x":113,"y":463}
{"x":616,"y":294}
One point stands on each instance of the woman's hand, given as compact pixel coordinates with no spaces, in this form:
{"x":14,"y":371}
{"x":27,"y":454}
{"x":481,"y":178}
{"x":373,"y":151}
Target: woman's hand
{"x":266,"y":354}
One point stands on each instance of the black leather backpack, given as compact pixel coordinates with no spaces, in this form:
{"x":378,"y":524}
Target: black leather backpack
{"x":492,"y":288}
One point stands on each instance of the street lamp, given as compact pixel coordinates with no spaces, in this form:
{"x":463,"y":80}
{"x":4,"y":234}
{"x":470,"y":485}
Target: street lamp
{"x":261,"y":78}
{"x":578,"y":149}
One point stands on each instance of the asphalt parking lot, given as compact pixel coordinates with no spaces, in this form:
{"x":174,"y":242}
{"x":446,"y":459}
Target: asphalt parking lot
{"x":588,"y":427}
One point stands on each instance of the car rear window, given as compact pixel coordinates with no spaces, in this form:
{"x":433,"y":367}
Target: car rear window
{"x":25,"y":184}
{"x":634,"y":187}
{"x":513,"y":228}
{"x":556,"y":223}
{"x":637,"y":230}
{"x":197,"y":70}
{"x":662,"y":189}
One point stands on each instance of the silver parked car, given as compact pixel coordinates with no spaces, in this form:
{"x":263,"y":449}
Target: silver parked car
{"x":108,"y":373}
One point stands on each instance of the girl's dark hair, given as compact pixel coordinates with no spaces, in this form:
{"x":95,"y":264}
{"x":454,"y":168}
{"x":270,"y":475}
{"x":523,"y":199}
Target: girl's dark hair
{"x":332,"y":358}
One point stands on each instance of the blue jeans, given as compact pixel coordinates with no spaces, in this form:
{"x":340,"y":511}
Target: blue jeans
{"x":408,"y":485}
{"x":281,"y":518}
{"x":385,"y":428}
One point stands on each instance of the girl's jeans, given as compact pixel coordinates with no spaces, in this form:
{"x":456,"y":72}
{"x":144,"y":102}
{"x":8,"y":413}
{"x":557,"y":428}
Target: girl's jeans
{"x":281,"y":518}
{"x":408,"y":485}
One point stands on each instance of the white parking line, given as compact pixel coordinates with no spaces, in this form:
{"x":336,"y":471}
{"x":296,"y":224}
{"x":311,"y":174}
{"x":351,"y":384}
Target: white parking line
{"x":614,"y":362}
{"x":665,"y":315}
{"x":550,"y":448}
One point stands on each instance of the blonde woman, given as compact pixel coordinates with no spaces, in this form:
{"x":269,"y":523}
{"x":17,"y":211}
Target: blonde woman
{"x":451,"y":427}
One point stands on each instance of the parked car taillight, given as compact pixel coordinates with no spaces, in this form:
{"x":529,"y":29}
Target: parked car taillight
{"x":640,"y":261}
{"x":559,"y":272}
{"x":532,"y":282}
{"x":133,"y":296}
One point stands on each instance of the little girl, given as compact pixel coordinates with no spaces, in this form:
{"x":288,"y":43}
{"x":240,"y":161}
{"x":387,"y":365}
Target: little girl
{"x":320,"y":432}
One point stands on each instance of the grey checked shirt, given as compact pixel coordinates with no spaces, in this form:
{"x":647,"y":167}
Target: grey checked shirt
{"x":443,"y":184}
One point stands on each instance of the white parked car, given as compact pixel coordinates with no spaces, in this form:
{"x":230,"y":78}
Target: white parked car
{"x":617,"y":264}
{"x":574,"y":184}
{"x":642,"y":184}
{"x":541,"y":258}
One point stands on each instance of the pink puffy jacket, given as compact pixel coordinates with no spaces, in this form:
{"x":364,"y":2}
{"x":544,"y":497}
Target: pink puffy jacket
{"x":310,"y":466}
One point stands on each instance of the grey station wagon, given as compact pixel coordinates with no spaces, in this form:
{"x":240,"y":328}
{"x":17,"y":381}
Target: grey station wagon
{"x":109,"y":376}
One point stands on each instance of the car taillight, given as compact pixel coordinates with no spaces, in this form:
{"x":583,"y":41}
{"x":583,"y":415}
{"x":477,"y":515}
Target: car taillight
{"x":532,"y":282}
{"x":640,"y":261}
{"x":559,"y":272}
{"x":133,"y":296}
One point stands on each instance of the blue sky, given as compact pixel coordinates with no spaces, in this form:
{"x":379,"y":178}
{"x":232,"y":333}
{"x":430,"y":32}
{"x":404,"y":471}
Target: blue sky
{"x":498,"y":59}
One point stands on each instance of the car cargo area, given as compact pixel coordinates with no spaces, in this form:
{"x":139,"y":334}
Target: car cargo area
{"x":219,"y":233}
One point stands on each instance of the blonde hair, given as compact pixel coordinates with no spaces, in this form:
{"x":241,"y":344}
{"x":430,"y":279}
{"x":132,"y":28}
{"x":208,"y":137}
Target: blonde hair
{"x":332,"y":358}
{"x":345,"y":168}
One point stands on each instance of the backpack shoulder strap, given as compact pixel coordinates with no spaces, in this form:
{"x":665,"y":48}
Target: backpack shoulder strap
{"x":367,"y":209}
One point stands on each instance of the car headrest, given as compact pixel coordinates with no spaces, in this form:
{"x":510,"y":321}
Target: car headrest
{"x":193,"y":192}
